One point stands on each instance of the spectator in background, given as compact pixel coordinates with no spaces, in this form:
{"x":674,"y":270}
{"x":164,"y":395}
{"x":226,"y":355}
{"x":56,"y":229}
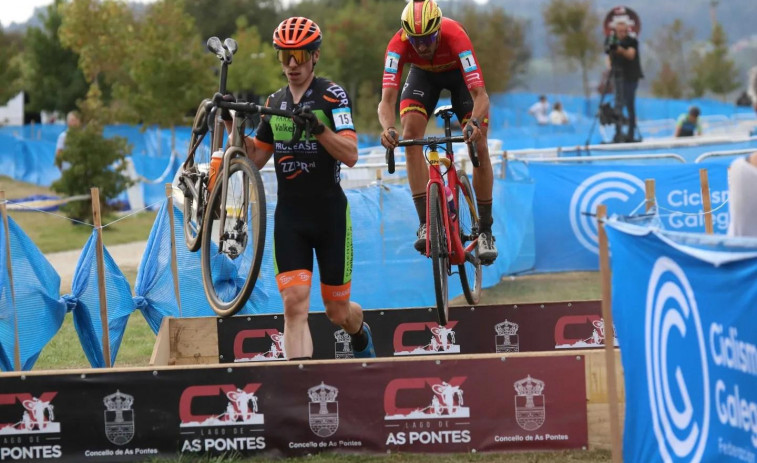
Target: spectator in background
{"x":540,"y":110}
{"x":742,"y":202}
{"x":742,"y":182}
{"x":688,"y":124}
{"x":72,"y":121}
{"x":558,"y":116}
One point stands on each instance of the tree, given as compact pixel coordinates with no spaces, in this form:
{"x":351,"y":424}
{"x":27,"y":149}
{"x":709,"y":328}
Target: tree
{"x":573,"y":24}
{"x":100,"y":32}
{"x":500,"y":43}
{"x":51,"y":75}
{"x":714,"y":71}
{"x":667,"y":48}
{"x":168,"y":69}
{"x":218,"y":19}
{"x":92,"y":160}
{"x":667,"y":84}
{"x":10,"y":66}
{"x":255,"y":70}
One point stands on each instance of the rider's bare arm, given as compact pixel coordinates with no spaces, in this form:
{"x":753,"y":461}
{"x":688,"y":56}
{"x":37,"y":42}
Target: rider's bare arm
{"x":480,"y":103}
{"x":480,"y":113}
{"x":341,"y":146}
{"x":386,"y":114}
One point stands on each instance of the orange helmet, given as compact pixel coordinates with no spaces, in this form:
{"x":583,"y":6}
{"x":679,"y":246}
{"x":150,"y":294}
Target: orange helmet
{"x":297,"y":33}
{"x":421,"y":17}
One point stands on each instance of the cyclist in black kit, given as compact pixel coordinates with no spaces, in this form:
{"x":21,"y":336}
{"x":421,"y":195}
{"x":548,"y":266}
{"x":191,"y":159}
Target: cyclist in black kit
{"x":312,"y":212}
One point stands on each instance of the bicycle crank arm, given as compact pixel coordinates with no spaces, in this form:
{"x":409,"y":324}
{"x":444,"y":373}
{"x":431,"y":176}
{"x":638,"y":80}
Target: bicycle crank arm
{"x":470,"y":257}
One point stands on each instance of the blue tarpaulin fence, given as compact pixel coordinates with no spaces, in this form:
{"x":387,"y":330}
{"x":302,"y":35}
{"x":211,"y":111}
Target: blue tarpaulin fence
{"x":387,"y":273}
{"x":684,"y":307}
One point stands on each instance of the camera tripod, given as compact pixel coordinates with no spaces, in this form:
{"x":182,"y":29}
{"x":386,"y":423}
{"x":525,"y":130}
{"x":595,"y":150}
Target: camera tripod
{"x":608,"y":115}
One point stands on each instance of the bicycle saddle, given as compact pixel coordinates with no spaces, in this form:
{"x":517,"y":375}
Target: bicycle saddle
{"x":444,"y":111}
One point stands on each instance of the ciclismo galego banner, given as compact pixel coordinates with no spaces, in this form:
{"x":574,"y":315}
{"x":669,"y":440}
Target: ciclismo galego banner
{"x":684,"y":307}
{"x":567,"y":195}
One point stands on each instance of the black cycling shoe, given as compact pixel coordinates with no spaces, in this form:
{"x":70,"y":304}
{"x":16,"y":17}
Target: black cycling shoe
{"x":420,"y":243}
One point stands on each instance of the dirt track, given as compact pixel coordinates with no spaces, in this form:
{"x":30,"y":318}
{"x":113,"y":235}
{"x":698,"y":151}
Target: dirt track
{"x":127,"y":256}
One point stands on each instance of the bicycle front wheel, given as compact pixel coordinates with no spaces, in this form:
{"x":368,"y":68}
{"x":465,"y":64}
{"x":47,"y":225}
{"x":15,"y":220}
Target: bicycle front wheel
{"x":470,"y":273}
{"x":232,"y":251}
{"x":439,"y":254}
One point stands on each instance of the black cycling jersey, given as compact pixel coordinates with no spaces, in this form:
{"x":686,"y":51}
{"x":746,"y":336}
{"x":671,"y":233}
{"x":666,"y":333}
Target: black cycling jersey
{"x":305,"y":168}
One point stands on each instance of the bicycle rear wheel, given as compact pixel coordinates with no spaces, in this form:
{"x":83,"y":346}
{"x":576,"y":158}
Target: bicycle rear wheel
{"x":439,"y":255}
{"x":470,"y":273}
{"x":193,"y":180}
{"x":231,"y":256}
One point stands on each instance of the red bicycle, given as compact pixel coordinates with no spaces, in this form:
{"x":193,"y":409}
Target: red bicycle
{"x":451,"y":215}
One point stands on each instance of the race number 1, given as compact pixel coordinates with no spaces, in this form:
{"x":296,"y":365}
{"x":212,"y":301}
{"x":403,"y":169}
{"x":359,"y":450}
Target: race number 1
{"x":342,"y":119}
{"x":468,"y":61}
{"x":392,"y":62}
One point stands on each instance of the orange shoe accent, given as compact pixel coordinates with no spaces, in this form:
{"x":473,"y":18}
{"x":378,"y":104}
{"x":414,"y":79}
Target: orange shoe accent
{"x":294,"y":278}
{"x":336,"y":293}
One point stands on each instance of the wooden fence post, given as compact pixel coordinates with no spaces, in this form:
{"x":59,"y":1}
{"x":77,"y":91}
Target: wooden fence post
{"x":95,"y":193}
{"x":649,"y":193}
{"x":8,"y":263}
{"x":706,"y":204}
{"x":174,"y":262}
{"x":612,"y":387}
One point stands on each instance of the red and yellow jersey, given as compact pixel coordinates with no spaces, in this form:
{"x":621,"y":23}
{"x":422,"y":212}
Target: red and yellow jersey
{"x":455,"y":51}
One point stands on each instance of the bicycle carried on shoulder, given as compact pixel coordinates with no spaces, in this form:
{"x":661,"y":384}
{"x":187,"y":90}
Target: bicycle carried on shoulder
{"x":452,"y":221}
{"x":225,"y":211}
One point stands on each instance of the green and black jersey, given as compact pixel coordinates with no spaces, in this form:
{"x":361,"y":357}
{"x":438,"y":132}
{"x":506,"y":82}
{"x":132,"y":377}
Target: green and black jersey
{"x":305,"y":168}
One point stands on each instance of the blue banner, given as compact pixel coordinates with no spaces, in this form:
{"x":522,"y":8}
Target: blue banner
{"x":684,"y":307}
{"x":566,"y":197}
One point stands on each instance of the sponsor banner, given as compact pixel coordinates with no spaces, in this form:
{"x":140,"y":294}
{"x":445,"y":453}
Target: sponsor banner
{"x":567,"y":196}
{"x":429,"y":406}
{"x":684,"y":306}
{"x":409,"y":332}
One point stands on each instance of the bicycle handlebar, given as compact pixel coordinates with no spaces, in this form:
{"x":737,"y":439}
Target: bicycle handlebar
{"x":252,"y":108}
{"x":472,"y":151}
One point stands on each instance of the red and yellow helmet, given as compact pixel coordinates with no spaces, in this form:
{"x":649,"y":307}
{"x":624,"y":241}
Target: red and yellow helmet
{"x":297,"y":33}
{"x":421,"y":17}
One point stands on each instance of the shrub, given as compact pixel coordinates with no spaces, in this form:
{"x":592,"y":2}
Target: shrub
{"x":95,"y":161}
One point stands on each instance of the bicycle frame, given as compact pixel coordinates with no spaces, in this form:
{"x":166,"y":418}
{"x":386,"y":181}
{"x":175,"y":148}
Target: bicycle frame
{"x":457,"y":254}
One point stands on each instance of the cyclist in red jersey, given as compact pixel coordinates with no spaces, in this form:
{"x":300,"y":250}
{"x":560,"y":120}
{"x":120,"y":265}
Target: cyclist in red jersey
{"x":441,"y":56}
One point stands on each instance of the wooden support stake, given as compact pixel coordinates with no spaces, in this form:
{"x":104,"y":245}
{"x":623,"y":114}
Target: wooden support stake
{"x":706,"y":204}
{"x":174,"y":262}
{"x":650,"y":194}
{"x":612,"y":387}
{"x":9,"y":266}
{"x":95,"y":193}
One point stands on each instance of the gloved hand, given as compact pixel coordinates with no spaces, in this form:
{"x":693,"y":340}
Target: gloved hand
{"x":225,"y":113}
{"x":304,"y":115}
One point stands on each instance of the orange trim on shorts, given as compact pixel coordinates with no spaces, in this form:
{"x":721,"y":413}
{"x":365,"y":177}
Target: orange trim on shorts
{"x":293,"y":278}
{"x":348,"y":134}
{"x":336,"y":293}
{"x":262,"y":145}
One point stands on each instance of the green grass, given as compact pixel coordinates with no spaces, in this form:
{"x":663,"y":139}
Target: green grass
{"x":54,"y":232}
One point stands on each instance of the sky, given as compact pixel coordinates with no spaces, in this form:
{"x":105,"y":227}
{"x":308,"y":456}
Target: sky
{"x":19,"y":11}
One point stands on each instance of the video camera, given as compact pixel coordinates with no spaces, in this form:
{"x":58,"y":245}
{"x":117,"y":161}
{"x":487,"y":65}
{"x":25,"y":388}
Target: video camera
{"x":611,"y":43}
{"x":608,"y":116}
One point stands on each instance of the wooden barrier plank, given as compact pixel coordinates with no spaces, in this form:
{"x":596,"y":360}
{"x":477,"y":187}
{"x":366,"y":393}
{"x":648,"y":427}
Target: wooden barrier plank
{"x":193,"y":341}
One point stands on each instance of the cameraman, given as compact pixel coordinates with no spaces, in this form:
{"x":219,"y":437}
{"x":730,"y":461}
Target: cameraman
{"x":623,"y":59}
